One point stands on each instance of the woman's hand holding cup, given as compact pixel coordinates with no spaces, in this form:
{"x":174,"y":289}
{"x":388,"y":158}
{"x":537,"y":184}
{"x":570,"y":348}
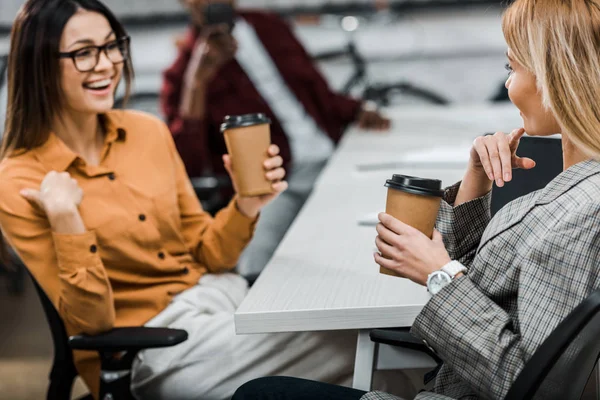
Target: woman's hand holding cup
{"x":496,"y":156}
{"x":274,"y":173}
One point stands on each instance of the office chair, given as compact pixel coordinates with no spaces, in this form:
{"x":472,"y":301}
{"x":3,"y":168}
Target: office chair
{"x":547,"y":154}
{"x":559,"y":369}
{"x":115,"y":375}
{"x":11,"y":267}
{"x":379,"y":93}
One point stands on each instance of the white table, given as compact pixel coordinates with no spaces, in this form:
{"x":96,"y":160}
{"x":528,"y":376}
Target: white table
{"x":322,"y":276}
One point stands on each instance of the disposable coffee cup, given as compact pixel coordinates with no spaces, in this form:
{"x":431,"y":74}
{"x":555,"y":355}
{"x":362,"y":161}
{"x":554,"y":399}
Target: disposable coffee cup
{"x":248,"y":138}
{"x":414,"y":201}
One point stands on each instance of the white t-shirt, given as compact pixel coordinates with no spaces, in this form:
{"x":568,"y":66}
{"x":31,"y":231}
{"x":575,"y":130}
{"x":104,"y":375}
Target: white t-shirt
{"x":308,"y":142}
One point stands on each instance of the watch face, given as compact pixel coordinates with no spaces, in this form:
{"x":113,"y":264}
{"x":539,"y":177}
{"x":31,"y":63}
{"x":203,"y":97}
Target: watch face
{"x":437,"y":281}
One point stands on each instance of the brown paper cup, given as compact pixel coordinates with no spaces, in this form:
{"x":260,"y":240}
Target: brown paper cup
{"x":248,"y":147}
{"x":417,"y":210}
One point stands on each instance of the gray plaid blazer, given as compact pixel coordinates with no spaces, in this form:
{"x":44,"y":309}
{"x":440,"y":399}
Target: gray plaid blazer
{"x":528,"y":268}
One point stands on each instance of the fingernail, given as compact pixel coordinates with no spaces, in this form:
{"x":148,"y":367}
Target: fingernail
{"x":506,"y":176}
{"x":499,"y":182}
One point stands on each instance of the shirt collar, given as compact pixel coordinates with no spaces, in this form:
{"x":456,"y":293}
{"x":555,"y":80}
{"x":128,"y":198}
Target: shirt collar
{"x":58,"y":157}
{"x":568,"y":179}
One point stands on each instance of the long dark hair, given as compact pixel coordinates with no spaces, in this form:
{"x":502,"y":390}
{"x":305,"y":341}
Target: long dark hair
{"x":35,"y":95}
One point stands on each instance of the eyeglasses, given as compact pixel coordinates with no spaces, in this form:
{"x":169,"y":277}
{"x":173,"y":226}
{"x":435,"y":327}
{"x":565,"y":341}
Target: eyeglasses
{"x":87,"y":58}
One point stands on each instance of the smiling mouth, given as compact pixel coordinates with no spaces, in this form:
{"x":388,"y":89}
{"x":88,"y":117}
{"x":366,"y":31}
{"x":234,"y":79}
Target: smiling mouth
{"x":99,"y":85}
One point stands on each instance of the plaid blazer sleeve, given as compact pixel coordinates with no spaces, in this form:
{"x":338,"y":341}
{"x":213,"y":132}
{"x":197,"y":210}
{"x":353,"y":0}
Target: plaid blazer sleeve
{"x":377,"y":395}
{"x":462,"y":227}
{"x":479,"y":340}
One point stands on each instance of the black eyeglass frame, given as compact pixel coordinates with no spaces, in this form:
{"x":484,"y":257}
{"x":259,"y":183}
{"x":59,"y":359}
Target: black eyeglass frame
{"x":122,"y":41}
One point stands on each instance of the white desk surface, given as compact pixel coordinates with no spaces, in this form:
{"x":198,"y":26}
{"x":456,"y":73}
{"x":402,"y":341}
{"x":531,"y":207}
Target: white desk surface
{"x":322,"y":276}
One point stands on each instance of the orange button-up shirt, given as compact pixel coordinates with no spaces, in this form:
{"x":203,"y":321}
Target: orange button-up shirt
{"x":147,"y":236}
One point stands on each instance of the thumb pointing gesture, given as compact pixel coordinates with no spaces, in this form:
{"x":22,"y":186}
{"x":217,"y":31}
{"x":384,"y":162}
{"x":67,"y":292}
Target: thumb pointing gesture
{"x":33,"y":196}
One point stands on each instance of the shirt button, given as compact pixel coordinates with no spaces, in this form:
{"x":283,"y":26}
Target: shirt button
{"x":111,"y":176}
{"x":142,"y":217}
{"x":161,"y":255}
{"x":185,"y":271}
{"x":93,"y":248}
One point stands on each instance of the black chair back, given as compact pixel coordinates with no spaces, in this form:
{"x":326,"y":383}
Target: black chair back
{"x":547,"y":153}
{"x":563,"y":364}
{"x":63,"y":368}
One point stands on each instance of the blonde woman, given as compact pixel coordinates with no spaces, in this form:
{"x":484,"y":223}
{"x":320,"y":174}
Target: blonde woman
{"x":499,"y":287}
{"x":97,"y":204}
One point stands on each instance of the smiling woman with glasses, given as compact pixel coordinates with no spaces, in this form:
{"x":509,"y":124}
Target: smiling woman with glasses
{"x":98,"y":205}
{"x":86,"y":58}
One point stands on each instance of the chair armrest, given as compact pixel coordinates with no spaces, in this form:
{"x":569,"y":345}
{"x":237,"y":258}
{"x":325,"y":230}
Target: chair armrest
{"x":401,"y":337}
{"x":129,"y":339}
{"x":212,"y":191}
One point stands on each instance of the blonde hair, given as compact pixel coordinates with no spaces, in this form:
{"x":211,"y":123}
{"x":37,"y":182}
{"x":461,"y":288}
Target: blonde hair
{"x":558,"y":41}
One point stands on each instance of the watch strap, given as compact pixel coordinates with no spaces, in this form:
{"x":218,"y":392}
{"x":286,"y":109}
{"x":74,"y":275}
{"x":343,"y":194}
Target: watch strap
{"x":454,"y":268}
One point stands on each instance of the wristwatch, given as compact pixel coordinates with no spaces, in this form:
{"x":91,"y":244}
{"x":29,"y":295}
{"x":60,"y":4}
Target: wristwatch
{"x":437,"y":280}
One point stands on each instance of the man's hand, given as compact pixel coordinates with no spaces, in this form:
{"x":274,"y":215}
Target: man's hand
{"x":215,"y":47}
{"x":369,"y":119}
{"x":195,"y":8}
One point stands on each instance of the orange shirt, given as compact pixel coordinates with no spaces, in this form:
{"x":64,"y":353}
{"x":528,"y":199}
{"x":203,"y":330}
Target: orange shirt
{"x":147,"y":240}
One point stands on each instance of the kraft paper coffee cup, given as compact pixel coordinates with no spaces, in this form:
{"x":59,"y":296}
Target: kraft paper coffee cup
{"x":414,"y":201}
{"x":248,"y":138}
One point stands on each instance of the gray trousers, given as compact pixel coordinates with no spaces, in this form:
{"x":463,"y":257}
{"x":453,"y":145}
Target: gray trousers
{"x":276,"y":218}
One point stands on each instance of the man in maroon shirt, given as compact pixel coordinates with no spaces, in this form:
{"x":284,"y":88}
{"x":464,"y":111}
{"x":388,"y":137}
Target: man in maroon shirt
{"x":258,"y":67}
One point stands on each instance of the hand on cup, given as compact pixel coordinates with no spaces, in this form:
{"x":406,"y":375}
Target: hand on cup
{"x":496,"y":156}
{"x":274,"y":173}
{"x":407,"y":251}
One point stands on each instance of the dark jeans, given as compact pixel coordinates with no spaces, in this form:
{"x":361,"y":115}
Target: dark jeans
{"x":284,"y":388}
